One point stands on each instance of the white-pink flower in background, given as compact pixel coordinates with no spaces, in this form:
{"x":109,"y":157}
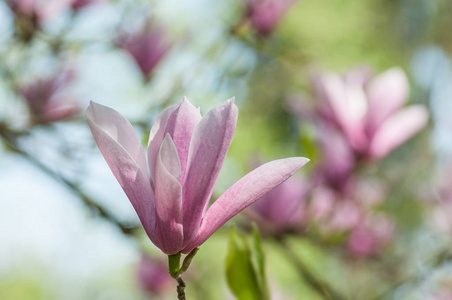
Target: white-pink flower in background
{"x":283,"y":208}
{"x":171,"y":191}
{"x":340,"y":211}
{"x":147,"y":46}
{"x":47,"y":98}
{"x":338,"y":164}
{"x":265,"y":15}
{"x":371,"y":235}
{"x":370,"y":110}
{"x":42,"y":10}
{"x":79,"y":4}
{"x":153,"y":276}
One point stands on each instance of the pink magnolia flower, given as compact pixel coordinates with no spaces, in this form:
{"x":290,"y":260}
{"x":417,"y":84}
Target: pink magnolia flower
{"x":370,"y":111}
{"x":333,"y":211}
{"x":30,"y":14}
{"x":321,"y":204}
{"x":40,"y":9}
{"x":47,"y":100}
{"x":345,"y":215}
{"x":370,"y":235}
{"x":79,"y":4}
{"x":283,"y":208}
{"x":265,"y":15}
{"x":443,"y":294}
{"x":153,"y":276}
{"x":147,"y":47}
{"x":185,"y":155}
{"x":336,"y":170}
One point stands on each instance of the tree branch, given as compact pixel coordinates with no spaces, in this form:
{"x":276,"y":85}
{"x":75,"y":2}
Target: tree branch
{"x":319,"y":285}
{"x":10,"y":138}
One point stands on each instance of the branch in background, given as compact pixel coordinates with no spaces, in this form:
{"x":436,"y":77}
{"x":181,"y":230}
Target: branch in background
{"x":321,"y":286}
{"x":10,"y":138}
{"x":416,"y":277}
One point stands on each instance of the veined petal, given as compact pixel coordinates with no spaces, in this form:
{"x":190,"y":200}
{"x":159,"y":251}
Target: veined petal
{"x":208,"y":149}
{"x":397,"y":129}
{"x":168,"y":196}
{"x":120,"y":130}
{"x":180,"y":122}
{"x":387,"y":93}
{"x":120,"y":145}
{"x":244,"y":193}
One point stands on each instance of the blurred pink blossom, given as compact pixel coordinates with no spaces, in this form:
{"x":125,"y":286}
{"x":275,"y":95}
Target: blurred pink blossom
{"x":153,"y":276}
{"x":30,"y":14}
{"x":442,"y":295}
{"x":369,"y":111}
{"x":344,"y":216}
{"x":331,"y":211}
{"x":185,"y":155}
{"x":40,"y":9}
{"x":369,"y":192}
{"x":338,"y":211}
{"x":321,"y":204}
{"x":338,"y":162}
{"x":283,"y":208}
{"x":370,"y":235}
{"x":265,"y":15}
{"x":47,"y":99}
{"x":147,"y":47}
{"x":79,"y":4}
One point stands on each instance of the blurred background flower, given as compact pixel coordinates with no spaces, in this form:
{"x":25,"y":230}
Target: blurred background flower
{"x":47,"y":101}
{"x":147,"y":46}
{"x":153,"y":276}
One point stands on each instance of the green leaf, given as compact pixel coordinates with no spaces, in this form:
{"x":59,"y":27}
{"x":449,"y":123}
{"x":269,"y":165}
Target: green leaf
{"x":245,"y":267}
{"x":258,"y":262}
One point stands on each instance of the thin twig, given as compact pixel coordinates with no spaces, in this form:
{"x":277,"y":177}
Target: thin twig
{"x":416,"y":278}
{"x":180,"y":288}
{"x":319,"y":285}
{"x":10,"y":137}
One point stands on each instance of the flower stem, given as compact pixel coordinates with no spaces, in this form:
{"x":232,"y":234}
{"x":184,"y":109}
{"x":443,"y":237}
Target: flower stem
{"x":175,"y":270}
{"x":174,"y":264}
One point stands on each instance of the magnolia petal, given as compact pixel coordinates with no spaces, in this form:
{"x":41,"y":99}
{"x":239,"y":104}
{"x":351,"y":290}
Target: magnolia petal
{"x":120,"y":146}
{"x":119,"y":129}
{"x":244,"y":193}
{"x":397,"y":129}
{"x":168,"y":196}
{"x":180,"y":122}
{"x":346,"y":103}
{"x":386,"y":93}
{"x":208,"y":149}
{"x":331,"y":89}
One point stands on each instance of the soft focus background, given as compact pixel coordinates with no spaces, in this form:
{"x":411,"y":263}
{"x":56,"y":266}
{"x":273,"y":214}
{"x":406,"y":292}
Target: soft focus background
{"x":362,"y":88}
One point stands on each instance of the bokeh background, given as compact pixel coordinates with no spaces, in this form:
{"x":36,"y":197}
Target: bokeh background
{"x":360,"y":221}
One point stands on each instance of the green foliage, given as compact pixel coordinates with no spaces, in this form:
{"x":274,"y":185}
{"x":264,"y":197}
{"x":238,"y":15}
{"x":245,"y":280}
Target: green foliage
{"x":342,"y":33}
{"x":25,"y":288}
{"x":245,"y":266}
